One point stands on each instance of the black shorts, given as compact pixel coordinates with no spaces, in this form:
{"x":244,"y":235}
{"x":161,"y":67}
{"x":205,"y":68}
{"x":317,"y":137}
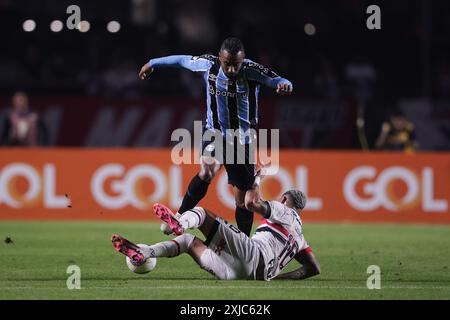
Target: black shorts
{"x":236,"y":158}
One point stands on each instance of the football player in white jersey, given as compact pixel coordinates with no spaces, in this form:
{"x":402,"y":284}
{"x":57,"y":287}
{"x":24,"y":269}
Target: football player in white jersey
{"x":228,"y":253}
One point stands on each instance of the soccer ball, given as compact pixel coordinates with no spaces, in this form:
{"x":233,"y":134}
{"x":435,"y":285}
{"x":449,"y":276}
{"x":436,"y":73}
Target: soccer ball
{"x":146,"y":267}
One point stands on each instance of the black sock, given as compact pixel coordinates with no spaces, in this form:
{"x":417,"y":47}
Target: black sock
{"x":195,"y":192}
{"x":244,"y":219}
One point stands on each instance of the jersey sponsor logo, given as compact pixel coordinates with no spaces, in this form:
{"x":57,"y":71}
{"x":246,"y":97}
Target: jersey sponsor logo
{"x":208,"y":57}
{"x":227,"y":94}
{"x":225,"y":82}
{"x":262,"y":69}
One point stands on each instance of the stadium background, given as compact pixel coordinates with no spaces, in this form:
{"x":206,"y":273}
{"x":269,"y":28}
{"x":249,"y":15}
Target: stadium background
{"x":99,"y":114}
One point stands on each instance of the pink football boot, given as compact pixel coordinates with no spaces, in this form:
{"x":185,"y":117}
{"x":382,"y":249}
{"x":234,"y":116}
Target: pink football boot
{"x":166,"y":215}
{"x":127,"y":248}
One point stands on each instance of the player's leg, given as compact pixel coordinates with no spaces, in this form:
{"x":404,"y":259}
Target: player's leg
{"x":199,"y":218}
{"x":169,"y":249}
{"x":242,"y":177}
{"x":209,"y":166}
{"x":230,"y":254}
{"x":226,"y":253}
{"x":244,"y":217}
{"x":199,"y":184}
{"x":185,"y":243}
{"x":209,"y":261}
{"x":239,"y":256}
{"x":139,"y":254}
{"x":239,"y":253}
{"x":196,"y":218}
{"x":241,"y":174}
{"x":198,"y":187}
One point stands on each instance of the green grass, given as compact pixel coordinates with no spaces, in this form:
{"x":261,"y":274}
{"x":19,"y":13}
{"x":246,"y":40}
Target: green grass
{"x":414,"y":261}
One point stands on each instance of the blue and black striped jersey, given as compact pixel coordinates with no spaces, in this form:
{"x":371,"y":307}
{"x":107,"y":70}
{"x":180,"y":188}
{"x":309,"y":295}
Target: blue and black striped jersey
{"x":231,"y":103}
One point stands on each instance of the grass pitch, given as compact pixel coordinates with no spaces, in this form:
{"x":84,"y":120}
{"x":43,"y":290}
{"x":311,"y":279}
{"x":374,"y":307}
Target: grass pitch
{"x":414,"y":262}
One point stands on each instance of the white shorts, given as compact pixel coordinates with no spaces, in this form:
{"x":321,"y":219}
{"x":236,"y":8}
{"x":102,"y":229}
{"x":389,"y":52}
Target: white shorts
{"x":231,"y":255}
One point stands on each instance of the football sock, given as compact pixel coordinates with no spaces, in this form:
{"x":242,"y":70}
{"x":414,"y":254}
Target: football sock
{"x":171,"y":248}
{"x":195,"y":192}
{"x":244,"y":219}
{"x":193,"y":218}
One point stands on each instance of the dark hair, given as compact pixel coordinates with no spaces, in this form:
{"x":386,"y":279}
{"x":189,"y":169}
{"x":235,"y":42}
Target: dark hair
{"x":298,"y":197}
{"x":232,"y":45}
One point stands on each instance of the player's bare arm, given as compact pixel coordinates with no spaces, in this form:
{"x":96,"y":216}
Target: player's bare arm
{"x":310,"y":267}
{"x":146,"y":70}
{"x":259,"y":206}
{"x":253,"y":201}
{"x":188,"y":62}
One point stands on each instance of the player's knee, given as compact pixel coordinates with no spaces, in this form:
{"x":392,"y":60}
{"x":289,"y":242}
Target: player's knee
{"x":250,"y":203}
{"x":240,"y":204}
{"x":251,"y":200}
{"x":195,"y":245}
{"x":206,"y":175}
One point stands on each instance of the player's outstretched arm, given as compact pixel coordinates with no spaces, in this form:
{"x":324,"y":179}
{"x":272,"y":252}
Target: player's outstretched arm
{"x":197,"y":64}
{"x":267,"y":77}
{"x":310,"y":267}
{"x":253,"y":201}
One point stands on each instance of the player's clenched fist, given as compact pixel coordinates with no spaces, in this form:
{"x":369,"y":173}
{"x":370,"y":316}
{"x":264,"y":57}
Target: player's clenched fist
{"x":284,"y":88}
{"x":145,"y":71}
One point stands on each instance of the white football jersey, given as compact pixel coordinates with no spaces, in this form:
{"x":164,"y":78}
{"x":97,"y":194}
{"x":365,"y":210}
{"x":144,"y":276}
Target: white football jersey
{"x":279,"y":238}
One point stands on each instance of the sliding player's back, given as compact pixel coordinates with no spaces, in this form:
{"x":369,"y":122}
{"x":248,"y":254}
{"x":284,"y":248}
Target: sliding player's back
{"x":279,"y":238}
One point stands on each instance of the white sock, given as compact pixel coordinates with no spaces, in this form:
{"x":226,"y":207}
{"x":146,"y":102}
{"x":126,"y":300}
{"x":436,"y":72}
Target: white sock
{"x":171,"y":248}
{"x":193,"y":218}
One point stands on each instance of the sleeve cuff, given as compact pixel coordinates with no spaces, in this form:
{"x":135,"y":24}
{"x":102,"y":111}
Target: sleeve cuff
{"x":269,"y":210}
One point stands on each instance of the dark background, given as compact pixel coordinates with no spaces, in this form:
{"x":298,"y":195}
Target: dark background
{"x":408,"y":59}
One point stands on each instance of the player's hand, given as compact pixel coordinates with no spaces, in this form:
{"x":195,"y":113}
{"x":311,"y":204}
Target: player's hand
{"x":145,"y":71}
{"x":284,"y":89}
{"x":261,"y":169}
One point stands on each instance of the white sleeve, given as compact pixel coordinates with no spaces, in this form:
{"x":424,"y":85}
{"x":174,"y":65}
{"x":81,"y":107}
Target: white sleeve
{"x":281,"y":214}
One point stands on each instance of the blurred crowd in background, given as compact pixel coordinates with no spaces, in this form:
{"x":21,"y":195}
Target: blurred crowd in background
{"x":323,"y":47}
